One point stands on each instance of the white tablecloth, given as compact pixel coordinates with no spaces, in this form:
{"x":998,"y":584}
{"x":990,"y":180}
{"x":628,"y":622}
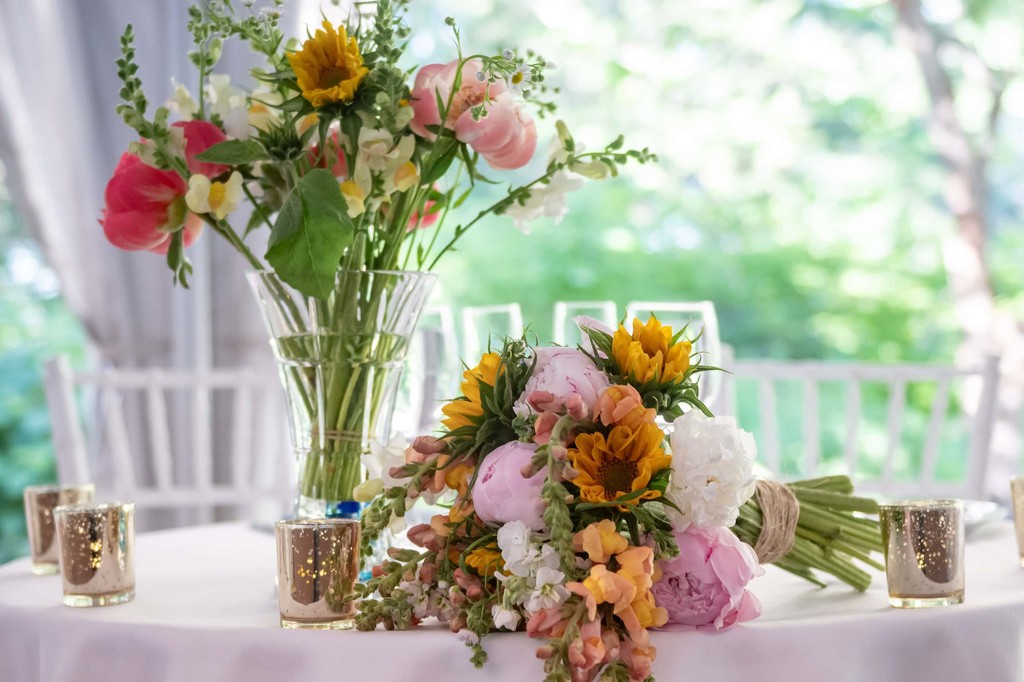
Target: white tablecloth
{"x":205,"y":610}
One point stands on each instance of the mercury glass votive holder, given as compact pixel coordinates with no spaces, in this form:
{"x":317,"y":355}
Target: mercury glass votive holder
{"x":97,"y":553}
{"x":317,"y":569}
{"x":40,"y":501}
{"x":924,"y":552}
{"x":1017,"y":495}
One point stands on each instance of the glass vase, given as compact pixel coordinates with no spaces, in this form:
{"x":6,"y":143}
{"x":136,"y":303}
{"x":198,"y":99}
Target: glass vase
{"x":340,"y":360}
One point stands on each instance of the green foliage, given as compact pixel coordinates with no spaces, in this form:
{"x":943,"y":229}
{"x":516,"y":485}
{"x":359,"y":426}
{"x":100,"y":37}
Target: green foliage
{"x":234,"y":152}
{"x":311,"y":233}
{"x":34,"y":325}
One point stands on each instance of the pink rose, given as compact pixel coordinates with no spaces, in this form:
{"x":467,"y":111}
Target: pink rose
{"x":704,"y":585}
{"x":200,"y":136}
{"x":144,"y":206}
{"x":506,"y":137}
{"x":502,"y":494}
{"x":563,"y":378}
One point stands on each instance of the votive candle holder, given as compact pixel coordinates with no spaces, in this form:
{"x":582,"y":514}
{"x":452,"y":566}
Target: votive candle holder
{"x":40,"y":501}
{"x":97,"y":553}
{"x":924,"y":552}
{"x":1017,"y":495}
{"x":317,"y":570}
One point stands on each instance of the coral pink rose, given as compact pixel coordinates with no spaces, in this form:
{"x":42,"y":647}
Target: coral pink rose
{"x":200,"y":136}
{"x":502,"y":494}
{"x":705,"y":585}
{"x":145,"y":205}
{"x":506,"y":137}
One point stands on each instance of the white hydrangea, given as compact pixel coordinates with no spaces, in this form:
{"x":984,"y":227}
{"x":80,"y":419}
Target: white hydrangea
{"x":712,"y":462}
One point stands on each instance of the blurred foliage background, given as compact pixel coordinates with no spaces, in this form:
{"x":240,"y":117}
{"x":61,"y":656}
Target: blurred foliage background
{"x":34,"y":325}
{"x":797,"y":189}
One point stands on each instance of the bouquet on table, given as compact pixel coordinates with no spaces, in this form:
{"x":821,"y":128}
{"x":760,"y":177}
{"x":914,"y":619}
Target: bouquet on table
{"x":355,"y":164}
{"x":574,"y":514}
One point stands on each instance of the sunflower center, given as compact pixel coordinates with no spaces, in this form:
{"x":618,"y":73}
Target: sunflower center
{"x":332,"y":76}
{"x":617,"y":477}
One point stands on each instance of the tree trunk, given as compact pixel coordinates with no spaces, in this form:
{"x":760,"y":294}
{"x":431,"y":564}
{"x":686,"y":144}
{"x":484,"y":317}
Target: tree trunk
{"x":985,"y":328}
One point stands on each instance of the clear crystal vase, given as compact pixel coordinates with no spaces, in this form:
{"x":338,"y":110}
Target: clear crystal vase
{"x":340,"y":360}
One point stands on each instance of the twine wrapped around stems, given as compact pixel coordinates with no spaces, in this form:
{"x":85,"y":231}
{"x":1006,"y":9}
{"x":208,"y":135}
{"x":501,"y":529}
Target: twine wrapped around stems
{"x":781,"y":511}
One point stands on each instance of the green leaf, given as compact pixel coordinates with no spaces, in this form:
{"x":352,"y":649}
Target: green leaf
{"x":443,"y":162}
{"x":176,"y":260}
{"x":311,"y":234}
{"x":234,"y":152}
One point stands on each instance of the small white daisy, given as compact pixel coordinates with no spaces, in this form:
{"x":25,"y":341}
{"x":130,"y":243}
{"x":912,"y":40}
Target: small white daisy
{"x":508,"y":54}
{"x":519,"y":79}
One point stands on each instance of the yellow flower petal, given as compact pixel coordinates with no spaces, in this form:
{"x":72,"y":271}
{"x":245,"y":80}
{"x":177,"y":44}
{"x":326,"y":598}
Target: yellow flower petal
{"x":329,"y":67}
{"x":645,"y":354}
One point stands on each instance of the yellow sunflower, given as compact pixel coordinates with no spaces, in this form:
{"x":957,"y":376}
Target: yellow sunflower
{"x":459,"y":413}
{"x":329,"y":66}
{"x":645,"y":354}
{"x":486,"y":561}
{"x":621,"y":464}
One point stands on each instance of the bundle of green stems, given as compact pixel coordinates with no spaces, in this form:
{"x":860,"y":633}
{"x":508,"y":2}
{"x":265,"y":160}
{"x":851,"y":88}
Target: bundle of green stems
{"x":833,"y":532}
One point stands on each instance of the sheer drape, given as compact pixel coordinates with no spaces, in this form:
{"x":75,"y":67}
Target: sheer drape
{"x":60,"y":140}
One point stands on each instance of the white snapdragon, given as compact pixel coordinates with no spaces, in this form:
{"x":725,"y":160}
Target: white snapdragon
{"x":230,"y":103}
{"x":547,"y":201}
{"x":420,"y":597}
{"x":549,"y":590}
{"x":181,"y":102}
{"x":517,"y":550}
{"x":712,"y":462}
{"x":215,"y":197}
{"x":504,"y":618}
{"x":378,"y":463}
{"x":377,"y":154}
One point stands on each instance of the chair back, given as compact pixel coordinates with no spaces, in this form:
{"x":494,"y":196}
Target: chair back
{"x":480,"y":324}
{"x":151,"y":436}
{"x":916,"y":446}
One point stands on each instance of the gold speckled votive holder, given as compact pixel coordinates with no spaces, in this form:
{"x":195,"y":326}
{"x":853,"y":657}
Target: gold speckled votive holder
{"x":97,"y":553}
{"x":1017,"y":495}
{"x":924,"y":552}
{"x":317,"y":569}
{"x":40,"y":501}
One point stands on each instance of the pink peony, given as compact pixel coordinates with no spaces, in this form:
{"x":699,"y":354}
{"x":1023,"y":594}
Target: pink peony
{"x":200,"y":136}
{"x":563,"y":378}
{"x":502,"y":494}
{"x":506,"y":137}
{"x":705,"y":585}
{"x":144,"y":206}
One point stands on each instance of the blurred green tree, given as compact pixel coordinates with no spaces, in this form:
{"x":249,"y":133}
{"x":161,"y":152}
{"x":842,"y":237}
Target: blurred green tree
{"x":34,"y":325}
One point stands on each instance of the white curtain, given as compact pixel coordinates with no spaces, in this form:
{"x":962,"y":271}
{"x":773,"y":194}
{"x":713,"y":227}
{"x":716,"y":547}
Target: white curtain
{"x":61,"y":139}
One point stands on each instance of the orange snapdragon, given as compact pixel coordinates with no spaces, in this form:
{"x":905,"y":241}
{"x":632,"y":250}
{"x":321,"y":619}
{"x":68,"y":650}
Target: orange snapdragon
{"x":600,"y":541}
{"x":622,"y":404}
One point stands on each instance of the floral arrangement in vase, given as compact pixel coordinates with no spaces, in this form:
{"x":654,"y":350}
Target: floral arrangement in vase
{"x":566,"y":508}
{"x":355,"y":167}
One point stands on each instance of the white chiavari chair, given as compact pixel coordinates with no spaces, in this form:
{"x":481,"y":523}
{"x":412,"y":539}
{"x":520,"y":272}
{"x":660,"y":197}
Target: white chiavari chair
{"x":431,"y":374}
{"x":481,"y":324}
{"x":564,"y":330}
{"x":133,"y":444}
{"x":907,"y":449}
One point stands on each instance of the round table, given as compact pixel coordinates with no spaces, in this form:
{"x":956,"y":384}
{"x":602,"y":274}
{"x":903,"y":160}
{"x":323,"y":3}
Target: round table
{"x":205,"y":610}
